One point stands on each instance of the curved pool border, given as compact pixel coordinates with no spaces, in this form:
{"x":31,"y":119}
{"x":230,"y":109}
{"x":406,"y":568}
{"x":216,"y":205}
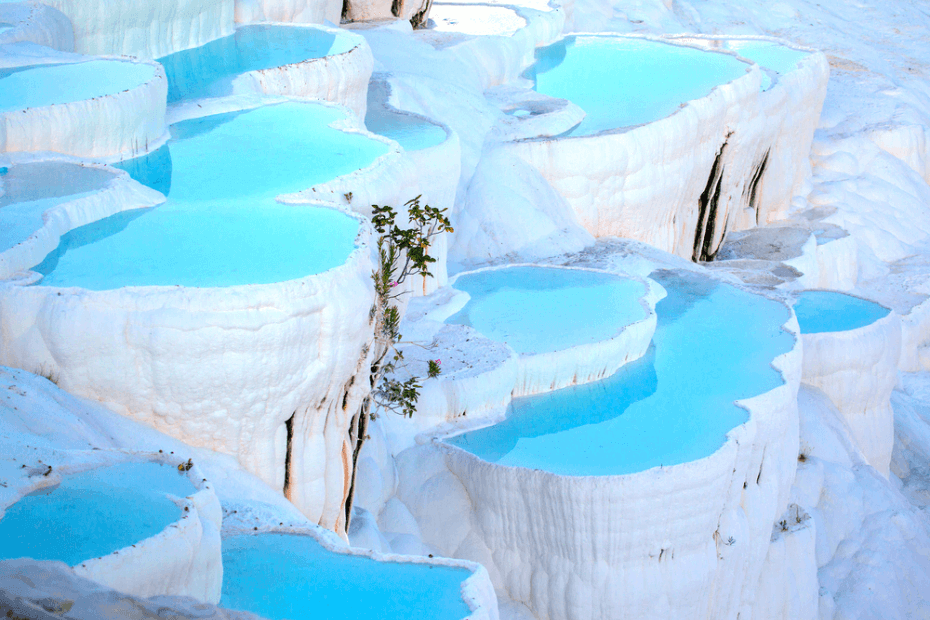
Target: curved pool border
{"x":790,"y":109}
{"x":691,"y":151}
{"x":108,"y":127}
{"x":557,"y":541}
{"x":477,"y":590}
{"x":111,"y":345}
{"x":120,"y":193}
{"x":184,"y":559}
{"x":858,"y":370}
{"x":36,"y":23}
{"x":288,"y":11}
{"x":338,"y":78}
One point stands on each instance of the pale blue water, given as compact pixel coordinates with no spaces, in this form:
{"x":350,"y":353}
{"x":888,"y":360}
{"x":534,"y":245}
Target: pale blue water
{"x":208,"y":70}
{"x":621,"y":82}
{"x":411,"y":132}
{"x":29,"y":190}
{"x":828,"y":311}
{"x":93,"y":513}
{"x":42,"y":85}
{"x":537,"y":310}
{"x":713,"y":344}
{"x":221,"y":225}
{"x":281,"y":576}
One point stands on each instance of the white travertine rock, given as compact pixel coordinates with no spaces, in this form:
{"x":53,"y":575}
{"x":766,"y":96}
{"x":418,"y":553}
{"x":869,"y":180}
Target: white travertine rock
{"x":789,"y":112}
{"x":119,"y":194}
{"x":339,"y":78}
{"x":145,"y":28}
{"x":51,"y":590}
{"x":288,"y":351}
{"x":290,"y":11}
{"x":788,"y":585}
{"x":108,"y":127}
{"x":858,"y":369}
{"x":644,"y":182}
{"x":652,"y":544}
{"x":36,"y":23}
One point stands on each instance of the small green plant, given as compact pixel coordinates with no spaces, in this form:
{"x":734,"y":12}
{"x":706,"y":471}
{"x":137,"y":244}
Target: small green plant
{"x":402,"y":253}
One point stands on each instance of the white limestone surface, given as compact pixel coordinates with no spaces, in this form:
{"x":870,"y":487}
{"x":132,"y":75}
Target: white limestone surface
{"x":290,"y":11}
{"x":220,"y":368}
{"x":107,"y":127}
{"x":184,"y":559}
{"x":477,"y":590}
{"x":857,"y":369}
{"x":117,"y":194}
{"x":789,"y":113}
{"x":651,"y":544}
{"x":36,"y":23}
{"x":145,"y":28}
{"x":644,"y":182}
{"x":338,"y":78}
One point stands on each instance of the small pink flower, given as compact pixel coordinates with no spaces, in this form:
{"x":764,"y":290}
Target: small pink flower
{"x":438,"y":362}
{"x":393,"y":284}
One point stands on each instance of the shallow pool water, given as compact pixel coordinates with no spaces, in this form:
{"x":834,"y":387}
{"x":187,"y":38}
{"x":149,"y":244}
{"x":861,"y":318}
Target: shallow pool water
{"x":411,"y":132}
{"x":622,"y":81}
{"x":93,"y":513}
{"x":29,"y":190}
{"x":208,"y":70}
{"x":539,"y":309}
{"x":281,"y":576}
{"x":829,"y":311}
{"x":713,"y":344}
{"x":42,"y":85}
{"x":221,"y":225}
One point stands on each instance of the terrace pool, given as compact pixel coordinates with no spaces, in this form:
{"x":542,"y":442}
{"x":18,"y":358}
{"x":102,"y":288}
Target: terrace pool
{"x":93,"y":513}
{"x":539,"y":309}
{"x":43,"y":85}
{"x":713,"y":344}
{"x":411,"y":132}
{"x":208,"y":70}
{"x":29,"y":190}
{"x":768,"y":54}
{"x":829,"y":311}
{"x":221,"y":225}
{"x":289,"y":576}
{"x":627,"y":81}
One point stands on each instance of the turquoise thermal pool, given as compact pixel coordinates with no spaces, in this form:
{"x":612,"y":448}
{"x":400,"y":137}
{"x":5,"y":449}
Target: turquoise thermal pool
{"x":281,"y":576}
{"x":221,"y":225}
{"x":411,"y":132}
{"x":209,"y":70}
{"x":93,"y":513}
{"x":539,"y":309}
{"x":42,"y":85}
{"x":627,"y":81}
{"x":29,"y":190}
{"x":829,"y":311}
{"x":714,"y":344}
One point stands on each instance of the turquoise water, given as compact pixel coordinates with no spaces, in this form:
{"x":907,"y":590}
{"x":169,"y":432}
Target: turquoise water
{"x":621,"y":82}
{"x":42,"y":85}
{"x":93,"y":513}
{"x":281,"y":576}
{"x":828,"y":311}
{"x":537,"y":309}
{"x":713,"y":344}
{"x":411,"y":132}
{"x":29,"y":190}
{"x":208,"y":70}
{"x":221,"y":225}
